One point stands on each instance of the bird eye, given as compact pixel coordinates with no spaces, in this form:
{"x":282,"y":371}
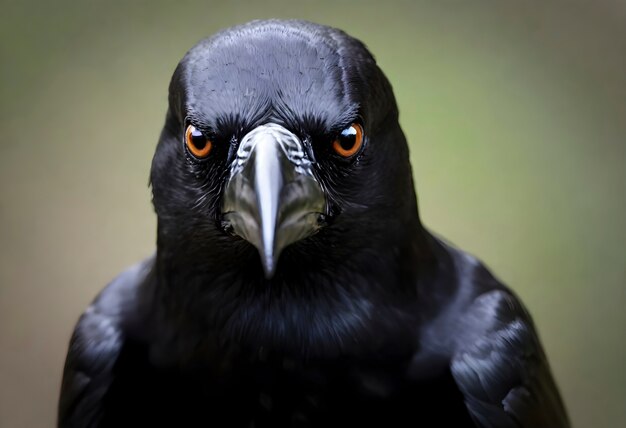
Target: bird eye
{"x":199,"y":145}
{"x":349,"y":142}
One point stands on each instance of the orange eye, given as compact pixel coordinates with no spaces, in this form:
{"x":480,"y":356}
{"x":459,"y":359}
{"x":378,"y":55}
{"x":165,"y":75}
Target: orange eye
{"x":349,"y":142}
{"x":199,"y":145}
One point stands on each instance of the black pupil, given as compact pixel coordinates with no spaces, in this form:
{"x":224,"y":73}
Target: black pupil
{"x":197,"y":139}
{"x":348,"y":138}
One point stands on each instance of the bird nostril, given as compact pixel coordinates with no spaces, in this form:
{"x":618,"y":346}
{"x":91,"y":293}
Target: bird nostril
{"x":228,"y":228}
{"x":322,"y":220}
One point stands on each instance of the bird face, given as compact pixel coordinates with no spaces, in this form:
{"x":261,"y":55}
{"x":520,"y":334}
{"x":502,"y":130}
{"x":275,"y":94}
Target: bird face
{"x":276,"y":132}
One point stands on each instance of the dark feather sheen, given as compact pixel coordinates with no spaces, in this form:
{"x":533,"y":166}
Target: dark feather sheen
{"x":372,"y":321}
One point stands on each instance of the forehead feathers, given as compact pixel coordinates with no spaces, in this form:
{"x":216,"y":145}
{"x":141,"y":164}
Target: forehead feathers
{"x":295,"y":72}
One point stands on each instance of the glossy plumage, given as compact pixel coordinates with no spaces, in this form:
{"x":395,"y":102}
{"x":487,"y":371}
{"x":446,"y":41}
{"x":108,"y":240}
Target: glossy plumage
{"x":371,"y":321}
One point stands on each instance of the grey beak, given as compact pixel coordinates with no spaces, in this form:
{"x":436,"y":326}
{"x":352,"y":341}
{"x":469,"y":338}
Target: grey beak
{"x":272,"y":198}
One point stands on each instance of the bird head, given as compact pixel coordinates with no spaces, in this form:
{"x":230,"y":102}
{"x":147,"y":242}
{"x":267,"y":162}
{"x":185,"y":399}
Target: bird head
{"x":281,"y":149}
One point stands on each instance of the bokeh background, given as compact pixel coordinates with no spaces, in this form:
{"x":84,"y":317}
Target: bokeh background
{"x":516,"y":116}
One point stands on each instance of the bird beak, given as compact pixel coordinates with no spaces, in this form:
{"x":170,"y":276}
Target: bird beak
{"x":272,"y":198}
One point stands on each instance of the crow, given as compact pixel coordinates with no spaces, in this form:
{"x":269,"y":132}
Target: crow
{"x":293,"y":283}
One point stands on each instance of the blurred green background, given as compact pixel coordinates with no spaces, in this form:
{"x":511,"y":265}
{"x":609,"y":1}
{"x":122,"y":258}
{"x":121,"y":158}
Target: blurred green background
{"x":516,"y":116}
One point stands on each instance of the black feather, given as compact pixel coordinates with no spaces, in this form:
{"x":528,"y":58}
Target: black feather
{"x":372,"y":321}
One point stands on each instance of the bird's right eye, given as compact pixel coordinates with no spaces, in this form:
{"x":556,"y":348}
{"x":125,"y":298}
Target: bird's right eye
{"x":197,"y":143}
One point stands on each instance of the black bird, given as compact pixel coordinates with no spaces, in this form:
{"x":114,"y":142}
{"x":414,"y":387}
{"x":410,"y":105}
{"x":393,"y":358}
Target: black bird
{"x":293,"y":283}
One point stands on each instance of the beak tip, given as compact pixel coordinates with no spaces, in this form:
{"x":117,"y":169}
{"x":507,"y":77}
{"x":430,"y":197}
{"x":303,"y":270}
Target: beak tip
{"x":269,"y":267}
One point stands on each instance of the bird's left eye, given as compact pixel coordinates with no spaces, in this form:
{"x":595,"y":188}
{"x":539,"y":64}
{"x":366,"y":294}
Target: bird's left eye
{"x":199,"y":145}
{"x":349,"y":141}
